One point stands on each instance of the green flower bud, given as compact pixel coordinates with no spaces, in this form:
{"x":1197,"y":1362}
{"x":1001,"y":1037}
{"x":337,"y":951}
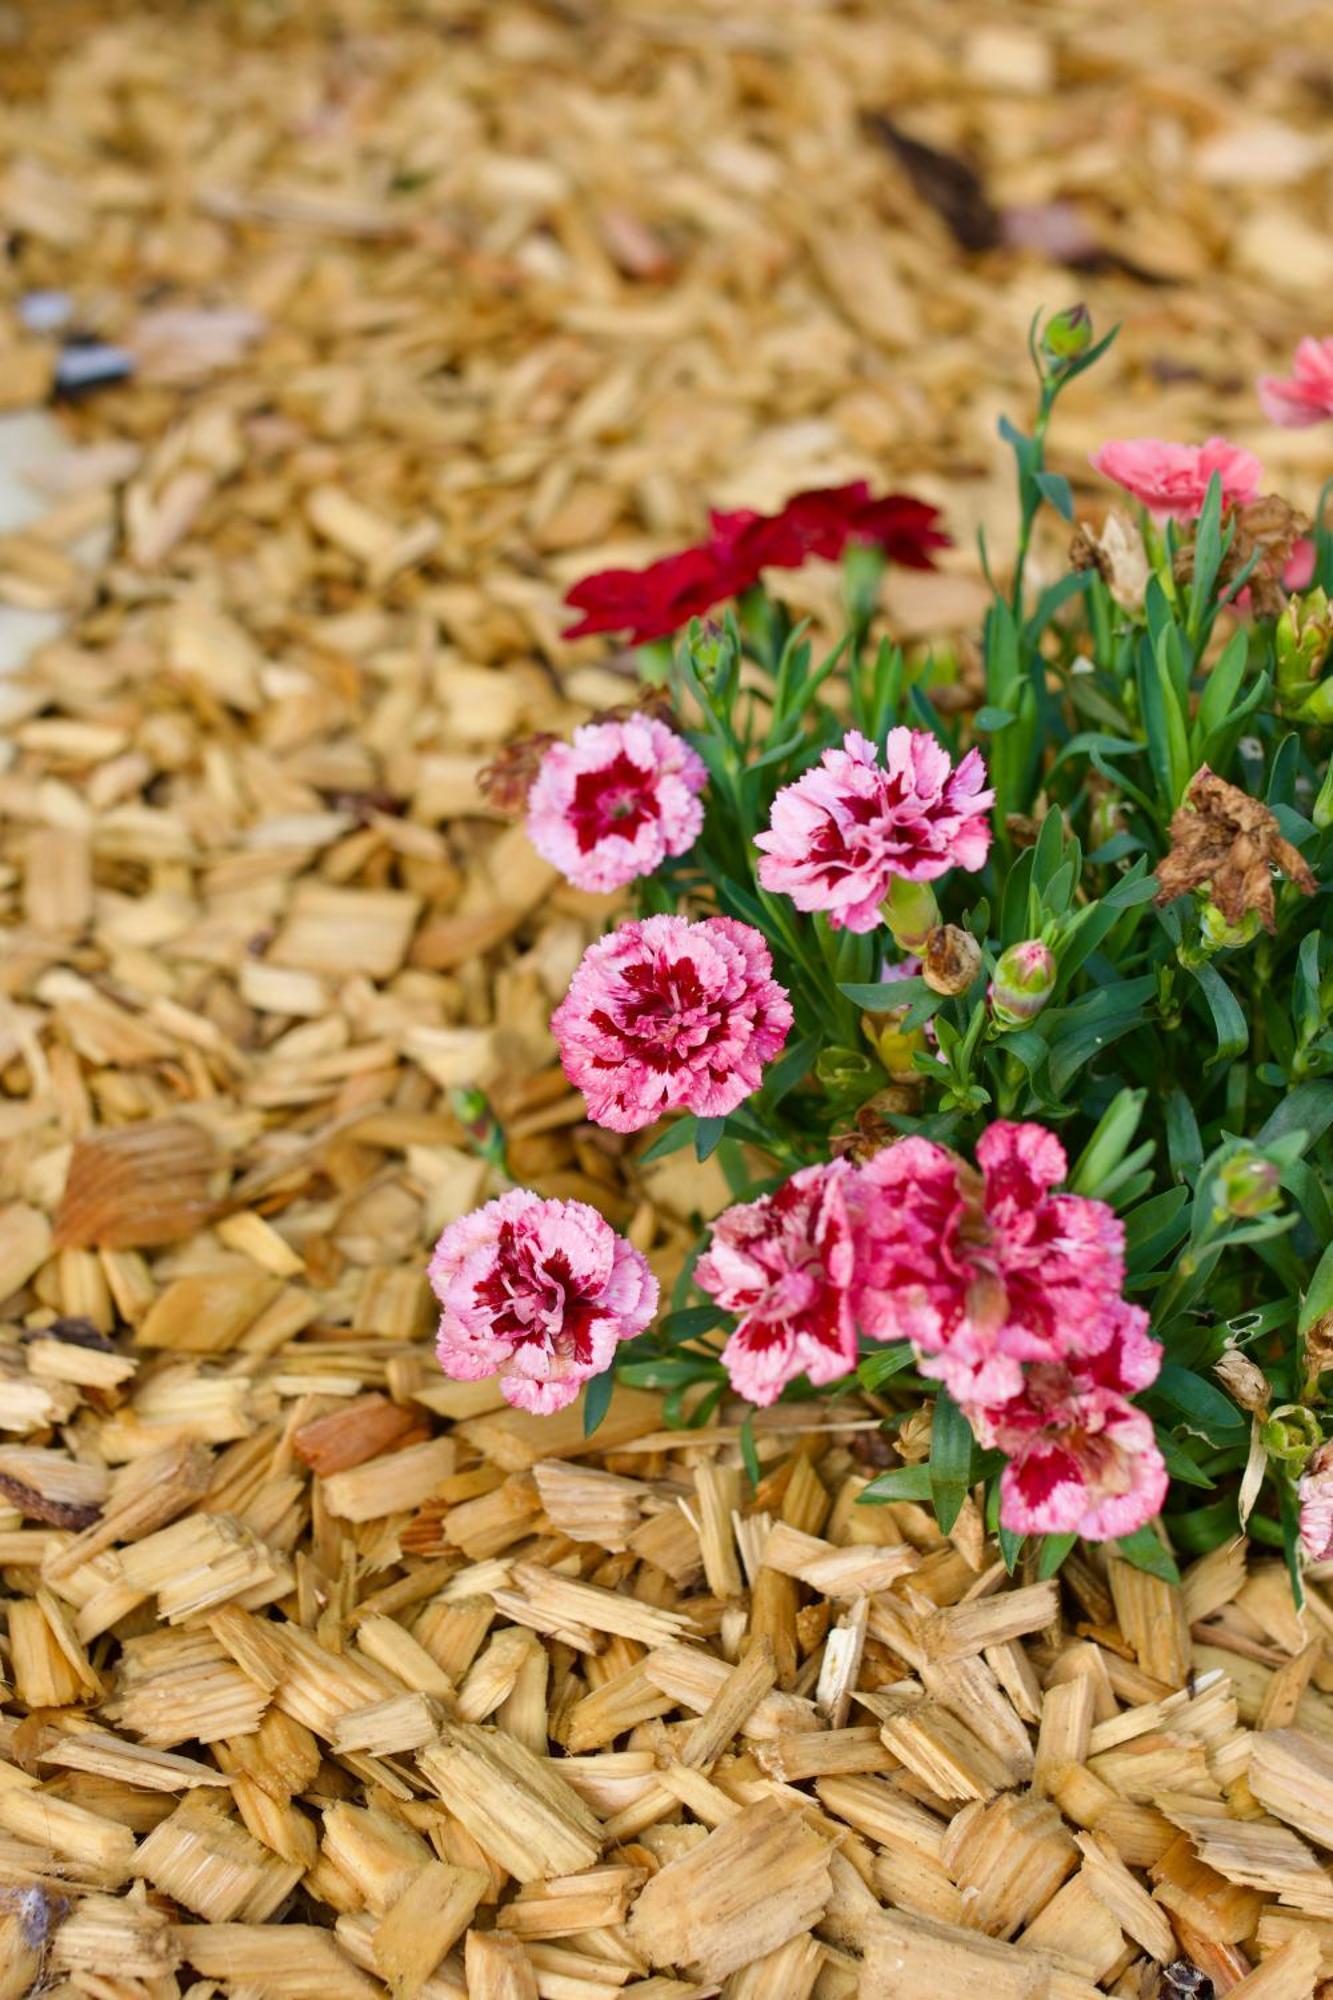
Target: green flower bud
{"x":1024,"y":981}
{"x":863,"y":567}
{"x":1247,"y":1186}
{"x":1220,"y":935}
{"x":1067,"y":334}
{"x":1302,"y":636}
{"x":1322,"y":811}
{"x":911,"y":913}
{"x":1291,"y":1434}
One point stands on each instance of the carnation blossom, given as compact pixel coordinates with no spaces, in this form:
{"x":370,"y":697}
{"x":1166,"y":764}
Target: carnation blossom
{"x":1306,"y":395}
{"x":1173,"y":479}
{"x":983,"y":1271}
{"x":1082,"y":1459}
{"x":666,"y":1015}
{"x":1314,"y":1490}
{"x":539,"y":1294}
{"x":653,"y":602}
{"x":841,"y":834}
{"x":784,"y":1263}
{"x":616,"y":802}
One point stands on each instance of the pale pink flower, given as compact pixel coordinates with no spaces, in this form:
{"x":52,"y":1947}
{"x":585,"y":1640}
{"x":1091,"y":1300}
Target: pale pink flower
{"x":666,"y":1015}
{"x":983,"y":1271}
{"x":616,"y":802}
{"x":540,"y":1294}
{"x":1082,"y":1459}
{"x":840,"y":834}
{"x":1306,"y":395}
{"x":1314,"y":1490}
{"x":784,"y":1264}
{"x":1172,"y":479}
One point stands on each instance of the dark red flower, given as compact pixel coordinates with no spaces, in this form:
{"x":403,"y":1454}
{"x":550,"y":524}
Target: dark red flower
{"x":652,"y":603}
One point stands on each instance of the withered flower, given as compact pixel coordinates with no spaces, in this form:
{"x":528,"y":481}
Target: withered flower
{"x":1117,"y":555}
{"x":509,"y":777}
{"x":950,"y":959}
{"x":1266,"y":528}
{"x":1222,"y":837}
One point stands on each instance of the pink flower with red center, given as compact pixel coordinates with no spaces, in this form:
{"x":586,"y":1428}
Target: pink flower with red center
{"x":1082,"y":1459}
{"x":983,"y":1271}
{"x":616,"y":802}
{"x":539,"y":1294}
{"x":1306,"y":395}
{"x":667,"y":1015}
{"x":843,"y":831}
{"x":784,"y":1264}
{"x":653,"y":602}
{"x":1173,"y":479}
{"x":1314,"y":1490}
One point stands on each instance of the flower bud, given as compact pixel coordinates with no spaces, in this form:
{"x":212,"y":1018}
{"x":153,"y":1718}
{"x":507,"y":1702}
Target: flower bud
{"x":1219,"y":934}
{"x":863,"y":566}
{"x":894,"y":1047}
{"x":951,"y":960}
{"x":1247,"y":1186}
{"x":1302,"y":637}
{"x":1291,"y":1434}
{"x":911,"y":912}
{"x":1067,"y":334}
{"x":1243,"y":1379}
{"x":1024,"y":981}
{"x":1322,"y":810}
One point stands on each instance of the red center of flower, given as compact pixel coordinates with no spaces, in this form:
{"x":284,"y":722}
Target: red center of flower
{"x":616,"y":799}
{"x":537,"y":1301}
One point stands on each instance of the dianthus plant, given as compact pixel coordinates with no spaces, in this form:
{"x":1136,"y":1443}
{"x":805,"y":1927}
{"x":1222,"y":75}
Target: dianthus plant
{"x":998,"y":982}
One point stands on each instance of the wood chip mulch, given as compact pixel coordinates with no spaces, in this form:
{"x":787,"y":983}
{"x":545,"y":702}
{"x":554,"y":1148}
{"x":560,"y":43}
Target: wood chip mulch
{"x":323,"y":1676}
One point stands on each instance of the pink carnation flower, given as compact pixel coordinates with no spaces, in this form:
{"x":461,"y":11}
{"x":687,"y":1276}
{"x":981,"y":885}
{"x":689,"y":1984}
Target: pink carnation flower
{"x":667,"y":1015}
{"x":983,"y":1271}
{"x":1306,"y":395}
{"x":616,"y":802}
{"x":841,"y":833}
{"x":1314,"y":1490}
{"x":538,"y":1293}
{"x":1082,"y":1459}
{"x":1172,"y":479}
{"x":784,"y":1264}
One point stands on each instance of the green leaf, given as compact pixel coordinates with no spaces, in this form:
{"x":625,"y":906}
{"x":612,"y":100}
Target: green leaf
{"x":993,"y":719}
{"x":1308,"y":1109}
{"x":950,"y":1460}
{"x":688,"y":1323}
{"x":1054,"y":1549}
{"x":787,"y":1071}
{"x":1229,"y":1022}
{"x":880,"y":1367}
{"x":1142,"y":1550}
{"x":1055,"y":488}
{"x":1109,"y":1143}
{"x":1199,"y":1405}
{"x":597,"y":1400}
{"x":1319,"y":1298}
{"x":749,"y":1451}
{"x":708,"y":1137}
{"x":887,"y":996}
{"x":903,"y":1482}
{"x":672,"y":1140}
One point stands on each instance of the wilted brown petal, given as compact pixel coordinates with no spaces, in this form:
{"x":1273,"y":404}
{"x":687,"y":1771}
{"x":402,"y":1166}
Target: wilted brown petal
{"x":1224,"y":839}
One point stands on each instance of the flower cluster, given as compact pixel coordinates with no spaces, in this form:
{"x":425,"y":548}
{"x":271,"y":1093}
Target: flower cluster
{"x":1009,"y":1294}
{"x":654,"y":602}
{"x":870,"y":1054}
